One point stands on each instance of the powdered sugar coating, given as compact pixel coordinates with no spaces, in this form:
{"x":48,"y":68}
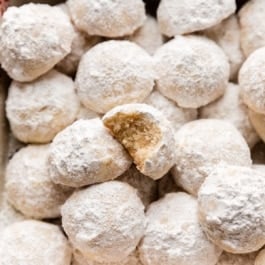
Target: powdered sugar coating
{"x":231,"y":108}
{"x":8,"y":215}
{"x":104,"y":221}
{"x":147,"y":136}
{"x":227,"y":35}
{"x":259,"y":168}
{"x":201,"y":146}
{"x":148,"y":36}
{"x":114,"y":72}
{"x":79,"y":259}
{"x":192,"y":71}
{"x":258,"y":122}
{"x":33,"y":38}
{"x":179,"y":17}
{"x":252,"y":81}
{"x":176,"y":115}
{"x":232,"y":208}
{"x":38,"y":110}
{"x":173,"y":234}
{"x":251,"y":18}
{"x":145,"y":186}
{"x":85,"y":153}
{"x":29,"y":187}
{"x":237,"y":259}
{"x":80,"y":45}
{"x":34,"y":242}
{"x":107,"y":18}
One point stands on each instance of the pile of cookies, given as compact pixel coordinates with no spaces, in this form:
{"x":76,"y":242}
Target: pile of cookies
{"x":134,"y":140}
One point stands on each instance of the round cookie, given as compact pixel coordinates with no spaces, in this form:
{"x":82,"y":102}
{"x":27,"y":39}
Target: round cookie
{"x":80,"y":45}
{"x":227,"y":35}
{"x":34,"y":242}
{"x":201,"y":146}
{"x":114,"y":73}
{"x":173,"y":234}
{"x":180,"y":17}
{"x":191,"y":70}
{"x":107,"y":18}
{"x":38,"y":110}
{"x":29,"y":187}
{"x":147,"y":136}
{"x":85,"y":153}
{"x":251,"y":18}
{"x":232,"y":208}
{"x":252,"y":81}
{"x":148,"y":36}
{"x":33,"y":39}
{"x":176,"y":115}
{"x":104,"y":221}
{"x":231,"y":108}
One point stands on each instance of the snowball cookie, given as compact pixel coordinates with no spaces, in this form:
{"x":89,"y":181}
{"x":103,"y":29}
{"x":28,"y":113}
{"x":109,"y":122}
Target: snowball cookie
{"x":179,"y":17}
{"x":8,"y":215}
{"x":85,"y":153}
{"x":147,"y":136}
{"x":166,"y":185}
{"x":173,"y":234}
{"x":148,"y":36}
{"x":29,"y":187}
{"x":145,"y":186}
{"x":114,"y":73}
{"x":231,"y":108}
{"x":252,"y":81}
{"x":191,"y":70}
{"x":107,"y":18}
{"x":237,"y":259}
{"x":176,"y":115}
{"x":104,"y":221}
{"x":232,"y":208}
{"x":80,"y":45}
{"x":251,"y":18}
{"x":259,"y":168}
{"x":204,"y":144}
{"x":38,"y":110}
{"x":79,"y":259}
{"x":258,"y":121}
{"x":227,"y":35}
{"x":34,"y":242}
{"x":33,"y":38}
